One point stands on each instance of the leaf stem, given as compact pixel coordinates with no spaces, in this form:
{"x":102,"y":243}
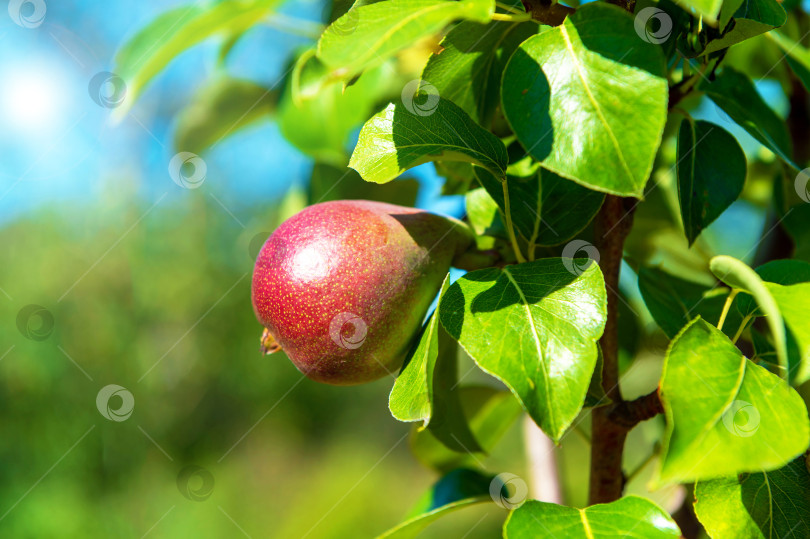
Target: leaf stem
{"x":511,"y":18}
{"x":511,"y":9}
{"x":742,"y":327}
{"x":726,"y":307}
{"x":509,"y":226}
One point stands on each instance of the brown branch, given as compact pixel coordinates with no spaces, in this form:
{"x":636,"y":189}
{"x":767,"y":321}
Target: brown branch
{"x":547,"y":12}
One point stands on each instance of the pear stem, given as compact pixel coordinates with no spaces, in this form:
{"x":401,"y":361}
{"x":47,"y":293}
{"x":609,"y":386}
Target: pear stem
{"x":509,"y":227}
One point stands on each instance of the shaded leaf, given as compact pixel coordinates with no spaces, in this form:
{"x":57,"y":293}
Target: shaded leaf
{"x":711,"y":172}
{"x":725,"y":414}
{"x":630,"y":516}
{"x":458,"y":489}
{"x":329,"y":182}
{"x":763,"y":505}
{"x":588,"y":98}
{"x":735,"y":93}
{"x":397,"y":139}
{"x":468,"y":69}
{"x":752,"y":18}
{"x":708,"y":9}
{"x":533,"y":326}
{"x":797,"y":56}
{"x":491,"y":414}
{"x":483,"y":213}
{"x":221,"y":109}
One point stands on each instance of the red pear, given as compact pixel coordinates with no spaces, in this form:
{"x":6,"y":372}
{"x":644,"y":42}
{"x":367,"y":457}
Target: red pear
{"x":343,"y":287}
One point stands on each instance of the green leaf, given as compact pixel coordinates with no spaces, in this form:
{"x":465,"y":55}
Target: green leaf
{"x":725,"y":414}
{"x":546,"y":209}
{"x":588,"y":98}
{"x":456,"y":490}
{"x":397,"y":139}
{"x":738,"y":275}
{"x":708,"y":9}
{"x":458,"y":175}
{"x":329,"y":182}
{"x":221,"y":109}
{"x":784,"y":272}
{"x":797,"y":57}
{"x":630,"y":516}
{"x":534,"y":326}
{"x":367,"y":35}
{"x":171,"y":33}
{"x":468,"y":69}
{"x":736,"y":94}
{"x":794,"y":306}
{"x":752,"y":18}
{"x":764,"y":505}
{"x":596,"y":395}
{"x":711,"y":174}
{"x":795,"y":222}
{"x":491,"y":414}
{"x":483,"y":213}
{"x":673,"y":301}
{"x":305,"y":105}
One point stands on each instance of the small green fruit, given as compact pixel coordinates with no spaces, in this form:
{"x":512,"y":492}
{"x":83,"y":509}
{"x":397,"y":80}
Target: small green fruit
{"x":343,"y":287}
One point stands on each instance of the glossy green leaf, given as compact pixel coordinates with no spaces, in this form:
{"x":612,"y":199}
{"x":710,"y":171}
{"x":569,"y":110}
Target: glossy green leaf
{"x":673,"y":301}
{"x":797,"y":56}
{"x":711,"y":174}
{"x":588,"y":98}
{"x":456,"y":490}
{"x":725,"y":414}
{"x":402,"y":136}
{"x":151,"y":49}
{"x":220,"y":110}
{"x":752,"y":18}
{"x":468,"y":69}
{"x":735,"y":93}
{"x":305,"y":105}
{"x":738,"y":275}
{"x":784,"y":272}
{"x":534,"y":326}
{"x":764,"y":505}
{"x":491,"y":414}
{"x":546,"y":209}
{"x":367,"y":35}
{"x":630,"y":516}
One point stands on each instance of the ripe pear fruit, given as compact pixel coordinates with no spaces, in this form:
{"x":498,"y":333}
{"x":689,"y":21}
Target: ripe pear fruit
{"x":343,"y":287}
